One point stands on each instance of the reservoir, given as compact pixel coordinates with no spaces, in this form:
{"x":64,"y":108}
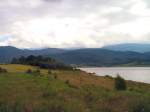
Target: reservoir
{"x":140,"y":74}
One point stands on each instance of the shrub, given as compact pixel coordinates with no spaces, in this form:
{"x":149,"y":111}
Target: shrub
{"x":37,"y":71}
{"x":55,"y":76}
{"x":3,"y":70}
{"x":67,"y":82}
{"x":49,"y":72}
{"x":29,"y":71}
{"x":141,"y":105}
{"x":108,"y":76}
{"x":120,"y":83}
{"x":56,"y":108}
{"x":46,"y":94}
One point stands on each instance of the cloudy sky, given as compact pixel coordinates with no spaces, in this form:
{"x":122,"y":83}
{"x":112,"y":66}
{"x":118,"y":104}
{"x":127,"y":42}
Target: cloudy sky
{"x":73,"y":23}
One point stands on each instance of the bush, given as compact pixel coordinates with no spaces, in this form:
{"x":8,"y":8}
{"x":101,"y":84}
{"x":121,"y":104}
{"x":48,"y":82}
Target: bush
{"x":3,"y":70}
{"x":35,"y":72}
{"x":55,"y":76}
{"x":49,"y":72}
{"x":108,"y":76}
{"x":67,"y":82}
{"x":29,"y":71}
{"x":38,"y":71}
{"x":141,"y":105}
{"x":46,"y":94}
{"x":56,"y":108}
{"x":120,"y":83}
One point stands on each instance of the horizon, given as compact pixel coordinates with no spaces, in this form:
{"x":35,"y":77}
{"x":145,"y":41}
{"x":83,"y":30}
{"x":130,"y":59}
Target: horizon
{"x":73,"y":48}
{"x":73,"y":24}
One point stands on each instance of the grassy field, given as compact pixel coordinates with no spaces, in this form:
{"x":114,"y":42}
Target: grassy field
{"x":67,"y":91}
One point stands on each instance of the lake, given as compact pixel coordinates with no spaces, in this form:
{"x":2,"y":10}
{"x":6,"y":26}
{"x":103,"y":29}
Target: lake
{"x":140,"y":74}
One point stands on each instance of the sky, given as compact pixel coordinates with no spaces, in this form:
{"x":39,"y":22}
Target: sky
{"x":73,"y":23}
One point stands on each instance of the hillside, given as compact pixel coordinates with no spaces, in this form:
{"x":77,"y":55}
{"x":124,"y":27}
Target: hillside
{"x":67,"y":91}
{"x":7,"y":53}
{"x":81,"y":57}
{"x":135,"y":47}
{"x":103,"y":57}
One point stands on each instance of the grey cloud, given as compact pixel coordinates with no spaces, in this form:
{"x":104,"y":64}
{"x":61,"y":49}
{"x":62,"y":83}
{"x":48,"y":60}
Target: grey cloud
{"x":13,"y":11}
{"x":120,"y":17}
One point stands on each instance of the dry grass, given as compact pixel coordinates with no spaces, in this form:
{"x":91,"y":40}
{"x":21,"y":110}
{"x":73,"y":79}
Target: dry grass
{"x":69,"y":91}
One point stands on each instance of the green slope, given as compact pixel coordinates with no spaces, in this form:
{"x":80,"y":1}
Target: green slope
{"x":67,"y":91}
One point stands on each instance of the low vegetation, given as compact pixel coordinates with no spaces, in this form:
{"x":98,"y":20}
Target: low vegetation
{"x":40,"y":61}
{"x":68,"y":91}
{"x":2,"y":70}
{"x":120,"y":83}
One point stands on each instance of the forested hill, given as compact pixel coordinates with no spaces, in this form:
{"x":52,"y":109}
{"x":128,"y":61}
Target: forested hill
{"x":136,"y":47}
{"x":86,"y":57}
{"x":7,"y":53}
{"x":103,"y":57}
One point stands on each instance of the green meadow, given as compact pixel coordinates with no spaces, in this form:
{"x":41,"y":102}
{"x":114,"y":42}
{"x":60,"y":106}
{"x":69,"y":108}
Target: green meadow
{"x":67,"y":91}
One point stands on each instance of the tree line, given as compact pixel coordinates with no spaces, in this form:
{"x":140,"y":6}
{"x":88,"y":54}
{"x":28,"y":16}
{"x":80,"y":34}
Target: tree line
{"x":42,"y":62}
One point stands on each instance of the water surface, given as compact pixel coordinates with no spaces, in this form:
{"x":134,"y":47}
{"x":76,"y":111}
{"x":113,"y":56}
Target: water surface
{"x":140,"y":74}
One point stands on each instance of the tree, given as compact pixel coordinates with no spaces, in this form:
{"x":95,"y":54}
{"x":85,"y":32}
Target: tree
{"x":22,"y":59}
{"x":120,"y":83}
{"x":14,"y":61}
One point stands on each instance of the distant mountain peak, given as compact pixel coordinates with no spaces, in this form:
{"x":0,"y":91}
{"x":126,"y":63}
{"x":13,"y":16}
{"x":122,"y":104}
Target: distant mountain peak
{"x":136,"y":47}
{"x":7,"y":47}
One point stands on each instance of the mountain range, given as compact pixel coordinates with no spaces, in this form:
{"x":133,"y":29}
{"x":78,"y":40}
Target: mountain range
{"x":136,"y":47}
{"x":9,"y":52}
{"x":83,"y":57}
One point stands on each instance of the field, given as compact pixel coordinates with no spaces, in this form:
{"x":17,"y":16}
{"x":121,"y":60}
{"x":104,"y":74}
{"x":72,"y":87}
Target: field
{"x":67,"y":91}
